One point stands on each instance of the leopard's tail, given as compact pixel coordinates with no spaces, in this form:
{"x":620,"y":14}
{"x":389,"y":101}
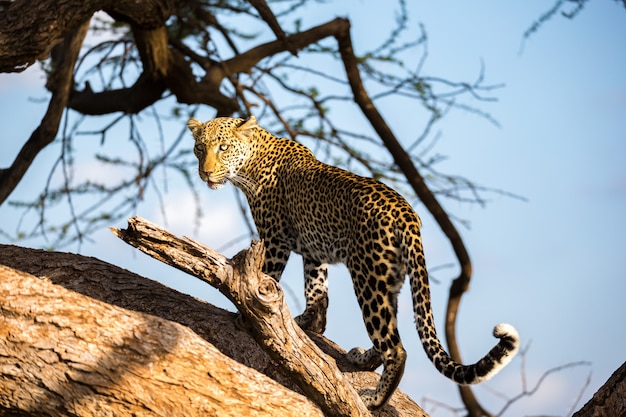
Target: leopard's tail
{"x":496,"y":359}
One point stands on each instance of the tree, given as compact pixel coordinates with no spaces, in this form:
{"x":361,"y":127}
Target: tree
{"x":158,"y":52}
{"x":608,"y":400}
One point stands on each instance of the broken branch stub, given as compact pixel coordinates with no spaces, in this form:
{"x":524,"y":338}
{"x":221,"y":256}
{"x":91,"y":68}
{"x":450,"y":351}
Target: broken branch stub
{"x":260,"y":300}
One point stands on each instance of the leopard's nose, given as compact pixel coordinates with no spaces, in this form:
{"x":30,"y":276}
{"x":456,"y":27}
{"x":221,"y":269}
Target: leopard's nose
{"x":204,"y":175}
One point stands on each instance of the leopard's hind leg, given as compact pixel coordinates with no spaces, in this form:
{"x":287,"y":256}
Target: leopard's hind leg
{"x":377,"y":285}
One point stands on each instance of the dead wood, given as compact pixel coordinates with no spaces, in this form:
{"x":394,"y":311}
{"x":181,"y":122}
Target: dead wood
{"x":112,"y":285}
{"x":261,"y":302}
{"x":65,"y":354}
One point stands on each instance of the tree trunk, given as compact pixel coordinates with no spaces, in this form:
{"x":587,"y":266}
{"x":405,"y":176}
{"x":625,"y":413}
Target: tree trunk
{"x":63,"y":352}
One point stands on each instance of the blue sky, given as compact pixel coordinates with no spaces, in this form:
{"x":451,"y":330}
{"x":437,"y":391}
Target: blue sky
{"x":552,"y":265}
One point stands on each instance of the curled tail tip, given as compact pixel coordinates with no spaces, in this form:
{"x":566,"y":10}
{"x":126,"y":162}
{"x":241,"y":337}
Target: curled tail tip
{"x":509,"y":341}
{"x":501,"y":355}
{"x":505,"y":330}
{"x":496,"y":359}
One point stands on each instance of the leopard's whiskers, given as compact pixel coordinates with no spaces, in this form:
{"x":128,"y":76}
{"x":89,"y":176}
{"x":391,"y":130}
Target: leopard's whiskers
{"x":245,"y":183}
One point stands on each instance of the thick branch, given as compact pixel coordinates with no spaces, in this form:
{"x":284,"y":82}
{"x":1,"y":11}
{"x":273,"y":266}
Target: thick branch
{"x":29,"y":30}
{"x":65,"y":354}
{"x":260,"y":300}
{"x":167,"y":68}
{"x":404,"y":162}
{"x":131,"y":100}
{"x":609,"y":399}
{"x":245,"y":61}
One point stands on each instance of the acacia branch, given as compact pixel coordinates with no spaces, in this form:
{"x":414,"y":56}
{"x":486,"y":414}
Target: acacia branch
{"x":260,"y":300}
{"x":130,"y":100}
{"x":167,"y":68}
{"x":403,"y":160}
{"x":118,"y":287}
{"x":245,"y":61}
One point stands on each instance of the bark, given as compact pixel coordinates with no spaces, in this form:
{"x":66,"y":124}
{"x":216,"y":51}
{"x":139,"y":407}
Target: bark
{"x":29,"y":30}
{"x":64,"y":354}
{"x":261,"y":302}
{"x":610,"y":399}
{"x":95,"y":279}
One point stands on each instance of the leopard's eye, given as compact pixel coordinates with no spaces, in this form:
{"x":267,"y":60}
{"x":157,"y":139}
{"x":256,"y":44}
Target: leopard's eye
{"x":198,"y":148}
{"x":224,"y":147}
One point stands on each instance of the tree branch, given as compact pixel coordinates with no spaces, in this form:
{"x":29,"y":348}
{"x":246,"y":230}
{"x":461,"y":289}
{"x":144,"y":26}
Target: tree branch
{"x":131,"y":100}
{"x":165,"y":68}
{"x":66,"y":354}
{"x":268,"y":16}
{"x":246,"y":60}
{"x":60,"y":83}
{"x":46,"y":22}
{"x":260,"y":300}
{"x":609,"y":399}
{"x":115,"y":286}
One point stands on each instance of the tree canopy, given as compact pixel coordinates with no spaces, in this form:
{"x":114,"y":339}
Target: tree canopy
{"x":164,"y":61}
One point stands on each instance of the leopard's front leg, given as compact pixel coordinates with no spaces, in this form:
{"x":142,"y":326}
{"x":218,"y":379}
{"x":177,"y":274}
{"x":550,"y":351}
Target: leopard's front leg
{"x":316,"y":293}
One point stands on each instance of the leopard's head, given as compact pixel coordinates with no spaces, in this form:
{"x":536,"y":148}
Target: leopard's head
{"x":222,"y":146}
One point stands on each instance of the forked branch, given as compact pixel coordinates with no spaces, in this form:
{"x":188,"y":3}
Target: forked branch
{"x":261,"y":302}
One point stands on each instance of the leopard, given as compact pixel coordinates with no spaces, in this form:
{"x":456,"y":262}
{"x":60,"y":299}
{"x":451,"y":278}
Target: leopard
{"x":329,"y":215}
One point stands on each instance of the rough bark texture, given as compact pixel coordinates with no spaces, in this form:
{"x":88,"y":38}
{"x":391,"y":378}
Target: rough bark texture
{"x":610,"y":399}
{"x":46,"y":22}
{"x":64,"y":354}
{"x":261,"y":302}
{"x":114,"y":286}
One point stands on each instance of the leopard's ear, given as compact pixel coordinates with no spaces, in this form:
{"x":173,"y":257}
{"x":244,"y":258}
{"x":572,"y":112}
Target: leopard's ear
{"x":246,"y":130}
{"x":196,"y":127}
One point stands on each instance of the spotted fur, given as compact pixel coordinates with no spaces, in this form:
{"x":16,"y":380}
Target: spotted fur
{"x":329,"y":215}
